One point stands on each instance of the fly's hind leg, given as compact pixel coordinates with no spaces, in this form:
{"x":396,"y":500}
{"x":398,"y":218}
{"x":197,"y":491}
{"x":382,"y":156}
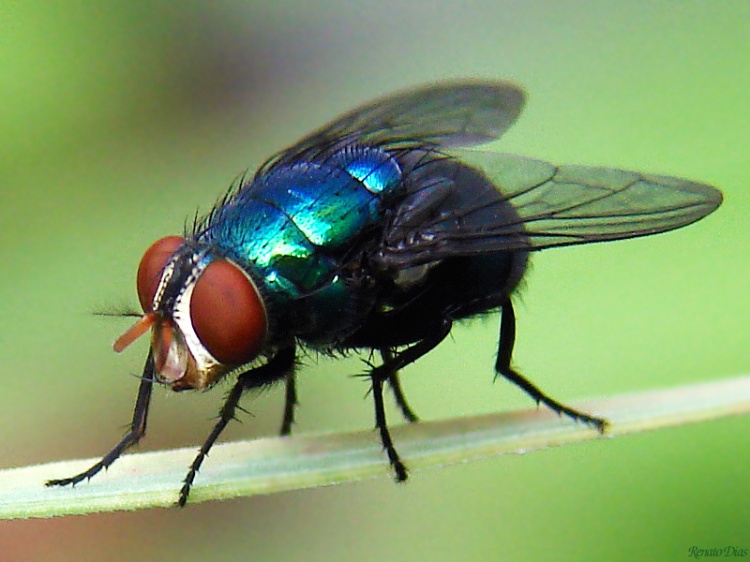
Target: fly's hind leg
{"x":502,"y":366}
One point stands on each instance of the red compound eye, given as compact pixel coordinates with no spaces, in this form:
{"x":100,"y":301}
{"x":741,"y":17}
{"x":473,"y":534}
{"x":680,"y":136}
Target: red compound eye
{"x":228,"y":314}
{"x":152,"y":266}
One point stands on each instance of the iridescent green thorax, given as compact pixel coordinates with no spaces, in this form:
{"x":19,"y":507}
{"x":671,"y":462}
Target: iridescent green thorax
{"x":291,"y":226}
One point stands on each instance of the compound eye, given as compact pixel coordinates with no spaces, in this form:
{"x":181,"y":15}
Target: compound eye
{"x":152,"y":266}
{"x":227,"y":313}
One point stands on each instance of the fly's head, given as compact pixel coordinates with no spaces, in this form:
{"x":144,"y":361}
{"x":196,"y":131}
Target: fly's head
{"x":204,"y":311}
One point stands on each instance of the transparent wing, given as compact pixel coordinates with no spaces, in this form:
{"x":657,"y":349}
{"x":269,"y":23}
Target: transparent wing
{"x":447,"y":114}
{"x":502,"y":202}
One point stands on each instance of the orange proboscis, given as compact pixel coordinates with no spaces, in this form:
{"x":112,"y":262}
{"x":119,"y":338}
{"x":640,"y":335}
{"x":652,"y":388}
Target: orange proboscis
{"x":142,"y":326}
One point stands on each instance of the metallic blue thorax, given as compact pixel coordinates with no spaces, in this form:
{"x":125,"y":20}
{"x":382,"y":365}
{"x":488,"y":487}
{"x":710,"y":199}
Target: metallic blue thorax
{"x":292,"y":226}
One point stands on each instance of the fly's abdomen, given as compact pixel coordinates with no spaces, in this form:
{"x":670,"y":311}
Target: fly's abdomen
{"x":292,"y":227}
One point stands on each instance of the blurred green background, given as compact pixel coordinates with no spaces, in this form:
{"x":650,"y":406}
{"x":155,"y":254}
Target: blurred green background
{"x":119,"y":119}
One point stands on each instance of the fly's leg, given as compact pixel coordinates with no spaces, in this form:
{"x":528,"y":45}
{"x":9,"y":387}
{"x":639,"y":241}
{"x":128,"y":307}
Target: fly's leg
{"x":277,"y":368}
{"x":385,"y":372}
{"x":385,"y":435}
{"x":398,"y":393}
{"x":290,"y":402}
{"x":132,"y":437}
{"x":502,"y":366}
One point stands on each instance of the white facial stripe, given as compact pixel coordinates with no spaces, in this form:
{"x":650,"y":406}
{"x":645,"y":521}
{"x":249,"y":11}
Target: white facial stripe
{"x":204,"y":361}
{"x":165,"y":276}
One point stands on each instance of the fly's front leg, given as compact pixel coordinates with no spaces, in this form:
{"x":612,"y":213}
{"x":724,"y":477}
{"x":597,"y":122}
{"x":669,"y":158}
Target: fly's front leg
{"x":502,"y":366}
{"x":277,"y":368}
{"x":131,"y":438}
{"x":385,"y":372}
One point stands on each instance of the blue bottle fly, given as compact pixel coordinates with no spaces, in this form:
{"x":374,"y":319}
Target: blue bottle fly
{"x":377,"y":232}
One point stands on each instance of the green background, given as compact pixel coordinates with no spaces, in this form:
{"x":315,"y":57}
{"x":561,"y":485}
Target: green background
{"x":119,"y":119}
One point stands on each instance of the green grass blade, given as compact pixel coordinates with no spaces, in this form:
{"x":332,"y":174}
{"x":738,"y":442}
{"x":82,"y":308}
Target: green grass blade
{"x":264,"y":466}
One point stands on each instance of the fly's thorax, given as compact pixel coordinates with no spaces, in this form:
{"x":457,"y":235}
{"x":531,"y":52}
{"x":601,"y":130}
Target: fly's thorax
{"x":296,"y":226}
{"x":205,"y":310}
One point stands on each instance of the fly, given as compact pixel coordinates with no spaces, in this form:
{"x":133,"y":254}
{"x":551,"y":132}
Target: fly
{"x":376,"y":233}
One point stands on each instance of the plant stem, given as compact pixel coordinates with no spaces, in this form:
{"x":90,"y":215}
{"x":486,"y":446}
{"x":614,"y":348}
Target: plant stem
{"x":264,"y":466}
